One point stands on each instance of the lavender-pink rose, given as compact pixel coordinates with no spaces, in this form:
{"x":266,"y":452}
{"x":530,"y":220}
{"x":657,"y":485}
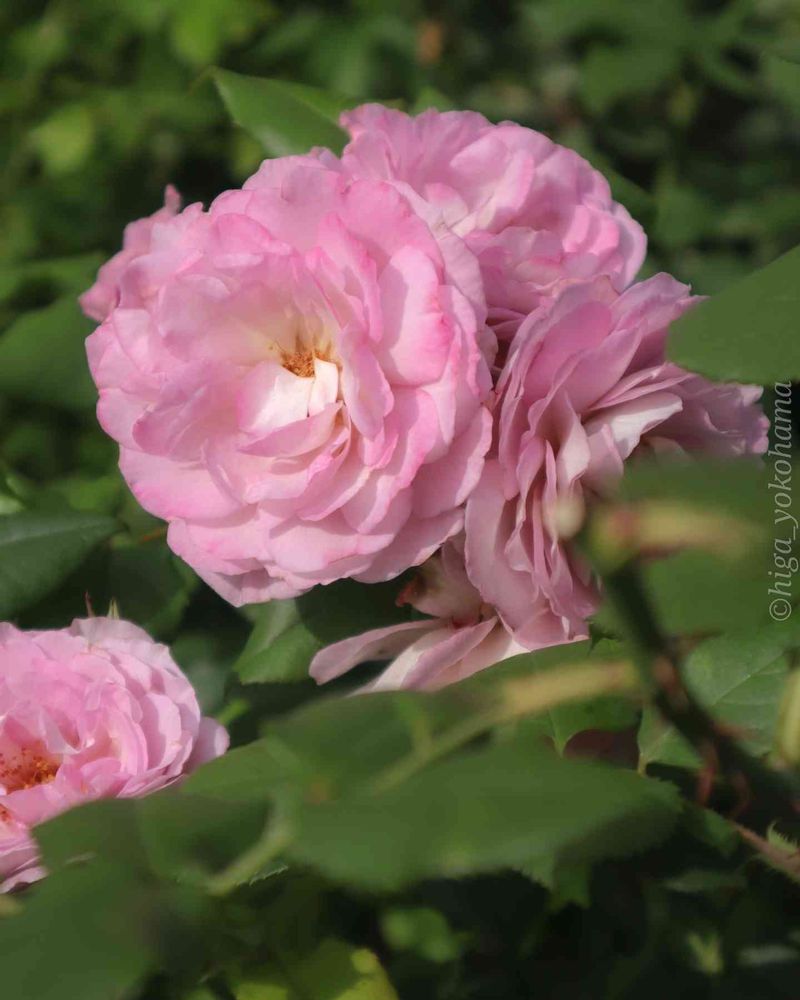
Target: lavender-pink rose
{"x":297,"y":382}
{"x":536,"y":214}
{"x":585,"y":388}
{"x":461,"y":635}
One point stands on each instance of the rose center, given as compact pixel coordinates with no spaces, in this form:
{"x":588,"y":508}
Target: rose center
{"x":300,"y":359}
{"x":26,"y":768}
{"x":300,"y":363}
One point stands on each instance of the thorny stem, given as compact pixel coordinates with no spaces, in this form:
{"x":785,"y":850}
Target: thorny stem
{"x":789,"y":864}
{"x":659,"y":666}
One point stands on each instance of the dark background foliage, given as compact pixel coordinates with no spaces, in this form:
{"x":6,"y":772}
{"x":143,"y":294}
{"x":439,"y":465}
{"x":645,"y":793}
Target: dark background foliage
{"x":694,"y":110}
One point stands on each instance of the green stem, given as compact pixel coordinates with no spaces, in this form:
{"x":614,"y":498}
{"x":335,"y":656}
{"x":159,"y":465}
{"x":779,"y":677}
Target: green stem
{"x":519,"y":697}
{"x":659,"y":666}
{"x":272,"y":842}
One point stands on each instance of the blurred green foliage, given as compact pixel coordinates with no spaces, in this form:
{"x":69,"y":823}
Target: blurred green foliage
{"x":693,"y":107}
{"x":102,"y":102}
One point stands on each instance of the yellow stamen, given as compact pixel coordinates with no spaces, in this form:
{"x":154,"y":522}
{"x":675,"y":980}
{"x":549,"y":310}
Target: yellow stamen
{"x":27,"y":769}
{"x":301,"y":363}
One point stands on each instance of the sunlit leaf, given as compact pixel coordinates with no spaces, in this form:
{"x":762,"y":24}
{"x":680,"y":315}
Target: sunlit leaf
{"x":739,"y":680}
{"x":284,"y":117}
{"x":333,"y":971}
{"x":747,"y":333}
{"x":492,"y":808}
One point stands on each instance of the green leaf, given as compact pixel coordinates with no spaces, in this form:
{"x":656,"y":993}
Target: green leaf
{"x":170,"y":834}
{"x":695,"y":592}
{"x":64,"y":140}
{"x":287,"y":634}
{"x":747,"y":333}
{"x":37,"y":551}
{"x":705,"y":880}
{"x":740,"y":485}
{"x":683,"y":216}
{"x":710,"y":829}
{"x":483,"y":810}
{"x":280,"y":647}
{"x":284,"y":117}
{"x":739,"y":680}
{"x":333,"y":971}
{"x":636,"y":199}
{"x":783,"y":79}
{"x":59,"y":275}
{"x":202,"y":30}
{"x":81,"y":933}
{"x":149,"y":585}
{"x":316,"y":779}
{"x":106,"y":830}
{"x":563,"y":722}
{"x":611,"y":74}
{"x":43,"y":357}
{"x":714,"y":517}
{"x":567,"y":882}
{"x":188,"y":837}
{"x":97,"y":494}
{"x":305,"y":753}
{"x":423,"y":931}
{"x":430,"y":97}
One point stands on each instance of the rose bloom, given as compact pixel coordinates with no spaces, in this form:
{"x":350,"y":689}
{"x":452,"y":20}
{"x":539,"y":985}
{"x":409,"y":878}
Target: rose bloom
{"x":104,"y":294}
{"x":462,"y":635}
{"x":585,"y":388}
{"x":535,"y":213}
{"x":94,"y":711}
{"x":296,"y":381}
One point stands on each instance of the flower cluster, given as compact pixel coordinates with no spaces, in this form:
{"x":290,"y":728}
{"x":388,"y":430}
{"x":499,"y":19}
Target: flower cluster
{"x":97,"y":710}
{"x":400,"y":357}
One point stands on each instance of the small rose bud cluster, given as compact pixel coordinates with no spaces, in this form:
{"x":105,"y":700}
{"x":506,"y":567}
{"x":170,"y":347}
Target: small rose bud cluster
{"x":406,"y":356}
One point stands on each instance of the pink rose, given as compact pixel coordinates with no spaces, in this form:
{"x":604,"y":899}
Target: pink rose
{"x":97,"y":710}
{"x":586,"y":385}
{"x":533,"y":212}
{"x":462,"y":636}
{"x":104,"y":294}
{"x":296,"y":381}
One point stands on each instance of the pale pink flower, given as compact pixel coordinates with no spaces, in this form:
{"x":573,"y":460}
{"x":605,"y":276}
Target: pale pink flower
{"x":296,"y":382}
{"x":94,"y":711}
{"x":535,"y":213}
{"x":585,"y":387}
{"x":104,"y":294}
{"x":462,"y":635}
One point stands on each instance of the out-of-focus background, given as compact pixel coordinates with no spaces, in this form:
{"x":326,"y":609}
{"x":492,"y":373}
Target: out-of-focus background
{"x":102,"y":102}
{"x":693,"y":104}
